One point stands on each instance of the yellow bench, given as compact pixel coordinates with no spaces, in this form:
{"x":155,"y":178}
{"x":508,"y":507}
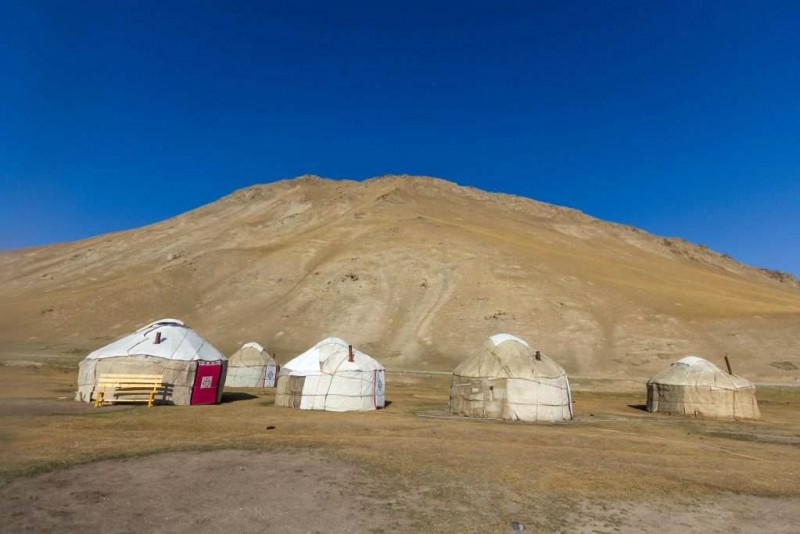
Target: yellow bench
{"x":113,"y":388}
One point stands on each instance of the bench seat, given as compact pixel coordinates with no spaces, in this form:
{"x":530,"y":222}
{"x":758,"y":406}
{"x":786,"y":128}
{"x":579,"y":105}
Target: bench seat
{"x":118,"y":387}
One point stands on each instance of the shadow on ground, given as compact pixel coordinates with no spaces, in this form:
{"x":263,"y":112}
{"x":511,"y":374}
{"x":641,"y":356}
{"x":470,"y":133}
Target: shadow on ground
{"x":235,"y":396}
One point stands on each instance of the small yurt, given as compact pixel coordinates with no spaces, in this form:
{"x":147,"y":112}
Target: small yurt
{"x":192,"y":370}
{"x":695,"y":386}
{"x":251,"y":367}
{"x":331,"y":376}
{"x":506,"y":378}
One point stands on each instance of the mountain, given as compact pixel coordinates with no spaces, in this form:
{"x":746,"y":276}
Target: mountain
{"x":414,"y":270}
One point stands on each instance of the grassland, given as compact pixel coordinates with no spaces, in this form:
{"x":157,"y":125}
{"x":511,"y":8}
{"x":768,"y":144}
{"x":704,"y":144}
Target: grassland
{"x":478,"y":474}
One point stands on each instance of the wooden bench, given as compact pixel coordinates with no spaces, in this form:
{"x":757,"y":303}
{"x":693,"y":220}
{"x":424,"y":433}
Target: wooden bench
{"x":113,"y":388}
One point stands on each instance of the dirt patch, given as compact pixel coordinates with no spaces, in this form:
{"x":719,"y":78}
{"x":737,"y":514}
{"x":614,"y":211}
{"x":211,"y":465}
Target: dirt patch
{"x":231,"y":491}
{"x":25,"y":406}
{"x":784,"y":366}
{"x":20,"y":363}
{"x":313,"y":492}
{"x":726,"y":513}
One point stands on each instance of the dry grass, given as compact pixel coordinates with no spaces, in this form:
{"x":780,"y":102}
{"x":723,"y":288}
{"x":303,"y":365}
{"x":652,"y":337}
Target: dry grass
{"x":611,"y":448}
{"x":489,"y":472}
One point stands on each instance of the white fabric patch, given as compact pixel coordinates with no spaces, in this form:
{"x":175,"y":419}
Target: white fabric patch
{"x":254,"y":345}
{"x":697,"y":361}
{"x":501,"y":338}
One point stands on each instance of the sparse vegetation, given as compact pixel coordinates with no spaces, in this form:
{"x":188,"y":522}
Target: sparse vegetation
{"x":420,"y":271}
{"x":407,"y":278}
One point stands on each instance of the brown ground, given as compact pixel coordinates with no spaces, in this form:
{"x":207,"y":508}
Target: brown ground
{"x":217,"y":491}
{"x":407,"y":468}
{"x":307,"y":492}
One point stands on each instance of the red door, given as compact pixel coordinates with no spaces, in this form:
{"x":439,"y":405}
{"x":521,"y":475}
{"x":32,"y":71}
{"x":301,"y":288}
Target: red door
{"x":206,"y":383}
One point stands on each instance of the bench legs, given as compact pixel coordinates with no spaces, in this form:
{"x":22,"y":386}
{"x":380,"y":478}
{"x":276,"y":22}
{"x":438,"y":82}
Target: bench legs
{"x":99,"y":398}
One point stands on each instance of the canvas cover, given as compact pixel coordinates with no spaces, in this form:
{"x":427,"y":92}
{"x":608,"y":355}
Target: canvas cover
{"x":695,"y":386}
{"x":322,"y":378}
{"x":175,"y":357}
{"x":504,"y":379}
{"x":251,"y":367}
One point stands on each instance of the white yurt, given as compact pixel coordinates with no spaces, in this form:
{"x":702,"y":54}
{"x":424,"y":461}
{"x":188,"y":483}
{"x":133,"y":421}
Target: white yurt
{"x":251,"y":367}
{"x":506,"y":378}
{"x":331,"y":376}
{"x":192,"y":370}
{"x":695,"y":386}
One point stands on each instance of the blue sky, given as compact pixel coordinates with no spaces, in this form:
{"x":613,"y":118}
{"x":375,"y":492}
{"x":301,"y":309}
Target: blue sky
{"x":682,"y":118}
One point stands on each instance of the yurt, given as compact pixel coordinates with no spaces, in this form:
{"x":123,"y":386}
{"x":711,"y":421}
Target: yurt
{"x":695,"y":386}
{"x":192,"y":370}
{"x":331,"y":376}
{"x":506,"y":378}
{"x":251,"y":367}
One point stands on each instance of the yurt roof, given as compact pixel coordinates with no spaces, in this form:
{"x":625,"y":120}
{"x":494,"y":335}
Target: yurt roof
{"x":508,"y":356}
{"x":178,"y":342}
{"x":697,"y":362}
{"x":330,"y":356}
{"x":497,"y":339}
{"x":250,"y":354}
{"x":697,"y":371}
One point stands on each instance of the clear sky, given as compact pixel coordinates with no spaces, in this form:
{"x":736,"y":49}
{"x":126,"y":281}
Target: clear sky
{"x":682,"y":118}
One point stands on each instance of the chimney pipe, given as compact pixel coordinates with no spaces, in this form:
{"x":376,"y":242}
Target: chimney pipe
{"x":158,"y":338}
{"x":728,"y":364}
{"x":538,"y":356}
{"x":350,"y":353}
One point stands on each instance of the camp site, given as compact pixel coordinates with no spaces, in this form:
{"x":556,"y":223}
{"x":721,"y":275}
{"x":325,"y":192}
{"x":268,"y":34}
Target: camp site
{"x":364,"y":267}
{"x":395,"y":384}
{"x":507,"y":423}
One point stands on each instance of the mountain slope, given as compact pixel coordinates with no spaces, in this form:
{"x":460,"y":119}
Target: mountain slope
{"x":415,"y":270}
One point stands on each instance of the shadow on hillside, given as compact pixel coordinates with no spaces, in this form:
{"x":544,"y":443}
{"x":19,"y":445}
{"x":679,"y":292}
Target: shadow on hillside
{"x":642,"y":407}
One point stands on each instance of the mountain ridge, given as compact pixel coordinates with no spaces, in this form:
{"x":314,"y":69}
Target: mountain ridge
{"x":417,"y":269}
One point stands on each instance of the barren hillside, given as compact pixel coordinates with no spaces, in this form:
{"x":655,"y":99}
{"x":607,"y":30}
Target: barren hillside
{"x":414,"y":270}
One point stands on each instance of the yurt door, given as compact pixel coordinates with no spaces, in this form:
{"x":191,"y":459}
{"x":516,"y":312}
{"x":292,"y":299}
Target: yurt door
{"x":380,"y":399}
{"x":270,"y":374}
{"x":206,"y":382}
